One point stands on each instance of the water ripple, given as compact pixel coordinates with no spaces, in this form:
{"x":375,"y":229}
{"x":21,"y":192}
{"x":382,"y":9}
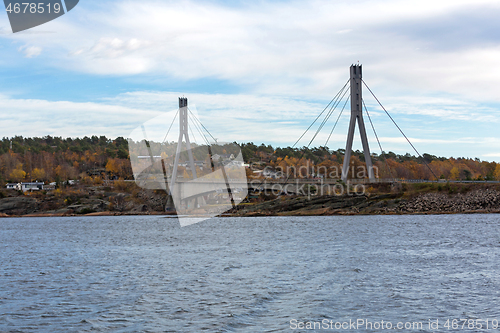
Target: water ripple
{"x":146,"y":274}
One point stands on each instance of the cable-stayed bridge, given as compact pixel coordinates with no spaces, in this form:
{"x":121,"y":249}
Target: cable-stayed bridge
{"x":191,"y":181}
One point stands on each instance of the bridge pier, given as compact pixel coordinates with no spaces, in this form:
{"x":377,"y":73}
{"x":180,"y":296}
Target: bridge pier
{"x":357,"y":115}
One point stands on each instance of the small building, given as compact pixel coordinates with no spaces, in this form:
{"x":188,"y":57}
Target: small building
{"x":238,"y":163}
{"x":33,"y":186}
{"x":269,"y":173}
{"x":223,"y":157}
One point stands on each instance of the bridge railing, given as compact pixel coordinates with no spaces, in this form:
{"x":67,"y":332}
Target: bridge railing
{"x":366,"y":181}
{"x":349,"y":181}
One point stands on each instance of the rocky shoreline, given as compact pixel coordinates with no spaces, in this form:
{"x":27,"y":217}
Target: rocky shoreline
{"x":477,"y":201}
{"x":83,"y":202}
{"x":98,"y":202}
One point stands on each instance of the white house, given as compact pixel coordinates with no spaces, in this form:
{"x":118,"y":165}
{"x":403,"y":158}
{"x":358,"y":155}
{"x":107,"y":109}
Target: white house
{"x":33,"y":186}
{"x":217,"y":157}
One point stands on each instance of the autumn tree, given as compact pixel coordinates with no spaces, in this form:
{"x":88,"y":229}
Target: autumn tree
{"x":38,"y":174}
{"x":496,"y":174}
{"x":112,"y":166}
{"x":18,"y":174}
{"x":329,"y":169}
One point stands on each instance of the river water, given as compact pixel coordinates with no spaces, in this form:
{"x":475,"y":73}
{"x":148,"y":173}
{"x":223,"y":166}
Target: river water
{"x":265,"y":274}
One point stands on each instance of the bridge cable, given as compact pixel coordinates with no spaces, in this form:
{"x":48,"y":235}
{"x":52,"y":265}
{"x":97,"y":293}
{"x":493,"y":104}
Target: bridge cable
{"x":192,"y":134}
{"x":376,"y":136}
{"x":332,"y":109}
{"x":206,"y":141}
{"x":165,"y":139}
{"x":335,"y":102}
{"x":222,"y":168}
{"x":423,"y":159}
{"x":331,"y":132}
{"x":203,"y":137}
{"x":202,"y":125}
{"x":338,"y":94}
{"x":198,"y":128}
{"x":170,"y":127}
{"x":330,"y":112}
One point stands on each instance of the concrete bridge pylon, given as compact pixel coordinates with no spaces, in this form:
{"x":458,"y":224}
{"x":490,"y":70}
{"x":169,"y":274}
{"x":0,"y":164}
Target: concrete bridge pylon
{"x":357,"y":116}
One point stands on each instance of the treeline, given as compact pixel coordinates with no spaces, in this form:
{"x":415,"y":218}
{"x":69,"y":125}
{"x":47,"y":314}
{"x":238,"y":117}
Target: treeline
{"x":314,"y":161}
{"x":58,"y":159}
{"x":51,"y":159}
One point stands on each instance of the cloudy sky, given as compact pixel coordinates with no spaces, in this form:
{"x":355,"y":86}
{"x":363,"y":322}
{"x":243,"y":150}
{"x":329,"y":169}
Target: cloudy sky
{"x":260,"y":71}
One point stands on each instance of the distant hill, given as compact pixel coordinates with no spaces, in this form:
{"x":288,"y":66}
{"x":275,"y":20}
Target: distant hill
{"x":58,"y":159}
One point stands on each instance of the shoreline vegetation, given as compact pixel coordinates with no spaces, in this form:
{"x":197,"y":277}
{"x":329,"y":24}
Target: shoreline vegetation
{"x":125,"y":198}
{"x":93,"y":176}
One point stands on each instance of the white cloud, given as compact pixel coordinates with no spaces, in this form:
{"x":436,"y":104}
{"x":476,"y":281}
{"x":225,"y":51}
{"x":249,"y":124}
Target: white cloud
{"x":32,"y":117}
{"x":446,"y":108}
{"x":284,"y":57}
{"x":115,"y":47}
{"x":229,"y":118}
{"x":306,"y":52}
{"x":30,"y":51}
{"x":245,"y":117}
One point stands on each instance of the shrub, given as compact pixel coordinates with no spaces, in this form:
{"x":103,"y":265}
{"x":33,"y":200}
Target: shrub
{"x":97,"y":180}
{"x":121,"y":185}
